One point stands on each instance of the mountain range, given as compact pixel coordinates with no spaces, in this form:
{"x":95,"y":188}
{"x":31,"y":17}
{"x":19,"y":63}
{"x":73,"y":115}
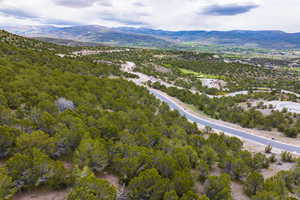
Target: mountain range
{"x":127,"y":36}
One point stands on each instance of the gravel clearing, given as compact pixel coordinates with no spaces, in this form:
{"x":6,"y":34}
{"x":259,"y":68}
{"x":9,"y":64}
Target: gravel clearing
{"x":42,"y":195}
{"x":281,"y":105}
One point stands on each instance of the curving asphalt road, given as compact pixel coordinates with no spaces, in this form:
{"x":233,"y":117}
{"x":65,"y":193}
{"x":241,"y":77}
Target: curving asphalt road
{"x":231,"y":131}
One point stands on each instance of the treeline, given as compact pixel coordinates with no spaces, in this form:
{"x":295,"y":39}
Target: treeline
{"x":227,"y":109}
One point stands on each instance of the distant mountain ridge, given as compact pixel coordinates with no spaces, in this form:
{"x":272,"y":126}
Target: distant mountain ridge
{"x":262,"y":39}
{"x":161,"y":38}
{"x":89,"y":34}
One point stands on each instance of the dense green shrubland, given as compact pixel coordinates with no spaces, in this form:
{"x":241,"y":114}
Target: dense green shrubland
{"x":113,"y":126}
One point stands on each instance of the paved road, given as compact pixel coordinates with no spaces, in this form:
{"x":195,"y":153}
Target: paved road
{"x":231,"y":131}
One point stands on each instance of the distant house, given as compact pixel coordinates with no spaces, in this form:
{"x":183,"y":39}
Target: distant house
{"x":213,"y":83}
{"x":269,"y":66}
{"x":294,"y":65}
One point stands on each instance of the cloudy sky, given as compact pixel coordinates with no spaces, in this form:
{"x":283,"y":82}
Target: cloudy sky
{"x":160,"y":14}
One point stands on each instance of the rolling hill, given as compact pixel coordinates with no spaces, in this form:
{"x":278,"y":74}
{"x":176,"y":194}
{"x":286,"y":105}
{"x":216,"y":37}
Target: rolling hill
{"x":126,"y":36}
{"x":66,"y":42}
{"x":91,"y":34}
{"x":261,"y":39}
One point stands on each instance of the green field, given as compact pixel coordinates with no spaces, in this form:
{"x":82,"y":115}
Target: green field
{"x":199,"y":74}
{"x":295,"y":69}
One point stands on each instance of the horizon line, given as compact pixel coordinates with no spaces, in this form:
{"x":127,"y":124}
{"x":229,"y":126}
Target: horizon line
{"x":156,"y":29}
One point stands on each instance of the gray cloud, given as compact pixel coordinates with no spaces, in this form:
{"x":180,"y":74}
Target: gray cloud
{"x":21,"y":14}
{"x":105,"y":3}
{"x":228,"y":10}
{"x":60,"y":22}
{"x":139,"y":4}
{"x":160,"y":14}
{"x":124,"y":21}
{"x":76,"y":3}
{"x":17,"y":13}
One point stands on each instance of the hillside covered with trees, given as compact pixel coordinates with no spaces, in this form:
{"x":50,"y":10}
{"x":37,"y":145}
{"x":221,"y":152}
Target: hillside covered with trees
{"x":66,"y":122}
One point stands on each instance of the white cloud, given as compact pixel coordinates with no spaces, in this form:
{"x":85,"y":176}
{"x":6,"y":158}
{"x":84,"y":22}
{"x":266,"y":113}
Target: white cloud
{"x":163,"y":14}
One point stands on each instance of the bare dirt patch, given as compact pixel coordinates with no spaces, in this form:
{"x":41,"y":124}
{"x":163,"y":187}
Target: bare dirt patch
{"x":112,"y":179}
{"x":162,"y":69}
{"x":1,"y":163}
{"x":42,"y":195}
{"x":199,"y":188}
{"x":215,"y":171}
{"x":276,"y":167}
{"x":237,"y":192}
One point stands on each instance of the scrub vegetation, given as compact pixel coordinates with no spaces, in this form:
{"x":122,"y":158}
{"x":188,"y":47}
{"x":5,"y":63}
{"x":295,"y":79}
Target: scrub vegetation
{"x":64,"y":122}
